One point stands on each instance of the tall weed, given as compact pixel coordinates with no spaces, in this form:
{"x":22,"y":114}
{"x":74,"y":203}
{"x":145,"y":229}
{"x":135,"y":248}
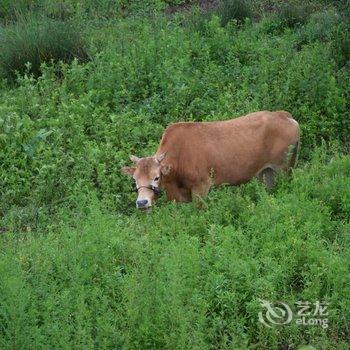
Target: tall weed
{"x":29,"y":43}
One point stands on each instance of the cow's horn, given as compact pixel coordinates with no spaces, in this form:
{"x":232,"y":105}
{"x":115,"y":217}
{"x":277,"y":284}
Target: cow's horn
{"x":161,"y":157}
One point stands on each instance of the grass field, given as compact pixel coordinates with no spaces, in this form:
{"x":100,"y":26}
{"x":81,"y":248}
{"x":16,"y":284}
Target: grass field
{"x":83,"y":85}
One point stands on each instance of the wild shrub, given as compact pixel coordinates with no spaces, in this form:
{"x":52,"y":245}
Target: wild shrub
{"x":327,"y":181}
{"x":291,"y":16}
{"x":29,"y":43}
{"x":341,"y":44}
{"x":9,"y":9}
{"x":333,"y":27}
{"x":12,"y":11}
{"x":238,"y":10}
{"x":321,"y":25}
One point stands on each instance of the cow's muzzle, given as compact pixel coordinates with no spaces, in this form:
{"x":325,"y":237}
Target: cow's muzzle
{"x":142,"y":204}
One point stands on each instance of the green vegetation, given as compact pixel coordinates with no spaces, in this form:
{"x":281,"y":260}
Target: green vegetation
{"x":238,"y":10}
{"x":292,"y":16}
{"x":79,"y":267}
{"x":38,"y":41}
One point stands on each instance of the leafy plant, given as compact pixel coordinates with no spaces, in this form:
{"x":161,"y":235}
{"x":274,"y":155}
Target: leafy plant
{"x":238,"y":10}
{"x":292,"y":16}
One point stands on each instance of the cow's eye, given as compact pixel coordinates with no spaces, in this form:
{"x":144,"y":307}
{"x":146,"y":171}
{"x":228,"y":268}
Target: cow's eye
{"x":156,"y":178}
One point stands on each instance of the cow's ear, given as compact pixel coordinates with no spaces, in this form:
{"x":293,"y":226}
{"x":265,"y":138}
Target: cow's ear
{"x":128,"y":170}
{"x":134,"y":159}
{"x":165,"y":169}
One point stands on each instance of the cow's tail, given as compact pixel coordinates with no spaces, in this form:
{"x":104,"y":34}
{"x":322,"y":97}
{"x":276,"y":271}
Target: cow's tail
{"x":295,"y":146}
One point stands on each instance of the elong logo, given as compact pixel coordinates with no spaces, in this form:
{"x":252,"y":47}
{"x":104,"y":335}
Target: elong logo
{"x":279,"y":313}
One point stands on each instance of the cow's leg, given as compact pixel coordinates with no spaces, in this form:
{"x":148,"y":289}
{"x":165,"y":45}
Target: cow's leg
{"x":266,"y":176}
{"x":199,"y":192}
{"x":177,"y":193}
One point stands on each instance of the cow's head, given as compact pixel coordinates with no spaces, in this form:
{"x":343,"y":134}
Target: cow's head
{"x":147,"y":173}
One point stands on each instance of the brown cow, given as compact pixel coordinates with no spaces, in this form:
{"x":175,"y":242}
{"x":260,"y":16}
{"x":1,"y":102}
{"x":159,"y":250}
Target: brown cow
{"x":194,"y":156}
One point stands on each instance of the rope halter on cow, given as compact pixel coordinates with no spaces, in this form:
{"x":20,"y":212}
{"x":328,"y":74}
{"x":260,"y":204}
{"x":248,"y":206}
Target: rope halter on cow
{"x":157,"y":191}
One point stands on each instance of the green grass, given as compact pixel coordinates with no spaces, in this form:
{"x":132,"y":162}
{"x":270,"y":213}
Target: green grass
{"x":182,"y":277}
{"x":79,"y":267}
{"x":32,"y":42}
